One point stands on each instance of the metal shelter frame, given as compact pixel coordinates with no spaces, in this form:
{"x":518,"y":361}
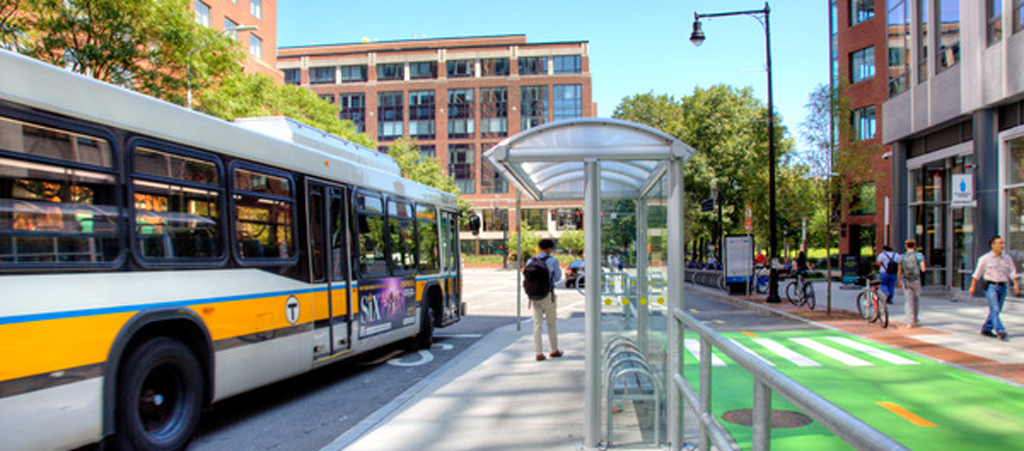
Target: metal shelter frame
{"x":587,"y":159}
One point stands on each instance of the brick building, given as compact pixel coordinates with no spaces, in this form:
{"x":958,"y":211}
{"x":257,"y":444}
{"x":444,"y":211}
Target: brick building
{"x":260,"y":44}
{"x":457,"y":97}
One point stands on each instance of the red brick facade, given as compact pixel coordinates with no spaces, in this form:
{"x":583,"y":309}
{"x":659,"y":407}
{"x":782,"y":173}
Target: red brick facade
{"x":240,"y":13}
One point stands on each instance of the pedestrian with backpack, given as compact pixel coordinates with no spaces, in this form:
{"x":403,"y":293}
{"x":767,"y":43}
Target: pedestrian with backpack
{"x":539,"y":277}
{"x":888,"y":264}
{"x":911,"y":267}
{"x":997,"y":270}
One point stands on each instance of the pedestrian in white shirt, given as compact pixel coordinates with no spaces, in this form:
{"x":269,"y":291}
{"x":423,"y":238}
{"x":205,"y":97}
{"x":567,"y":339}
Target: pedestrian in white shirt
{"x":997,"y":270}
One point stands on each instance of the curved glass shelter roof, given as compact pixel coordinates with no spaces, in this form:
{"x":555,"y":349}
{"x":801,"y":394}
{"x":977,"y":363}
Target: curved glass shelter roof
{"x":547,"y":162}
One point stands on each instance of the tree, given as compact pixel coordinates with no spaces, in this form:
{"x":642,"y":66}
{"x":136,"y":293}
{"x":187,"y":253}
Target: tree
{"x":256,"y":95}
{"x":531,"y":240}
{"x":726,"y":125}
{"x":146,"y":46}
{"x":573,"y":241}
{"x":425,"y":170}
{"x":11,"y":26}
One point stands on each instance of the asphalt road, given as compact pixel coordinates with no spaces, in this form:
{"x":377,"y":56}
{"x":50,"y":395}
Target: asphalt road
{"x":308,"y":412}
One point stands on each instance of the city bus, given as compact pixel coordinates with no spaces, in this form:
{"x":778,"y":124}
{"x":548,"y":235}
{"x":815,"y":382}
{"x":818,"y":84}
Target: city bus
{"x":154,"y":260}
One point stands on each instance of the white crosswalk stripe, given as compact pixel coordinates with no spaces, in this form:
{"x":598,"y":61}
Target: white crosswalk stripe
{"x":786,"y":353}
{"x":693,"y":345}
{"x":872,"y":351}
{"x":832,"y":352}
{"x":737,"y":343}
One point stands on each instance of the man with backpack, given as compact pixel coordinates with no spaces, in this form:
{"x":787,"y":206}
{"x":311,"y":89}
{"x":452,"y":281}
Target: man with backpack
{"x":888,"y":264}
{"x":910,"y":271}
{"x":539,"y":277}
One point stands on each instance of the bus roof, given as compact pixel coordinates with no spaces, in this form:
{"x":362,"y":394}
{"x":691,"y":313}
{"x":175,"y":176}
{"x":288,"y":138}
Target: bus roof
{"x":281,"y":142}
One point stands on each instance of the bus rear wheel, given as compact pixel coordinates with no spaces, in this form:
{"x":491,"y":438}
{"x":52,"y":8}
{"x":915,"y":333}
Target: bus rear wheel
{"x":160,"y":397}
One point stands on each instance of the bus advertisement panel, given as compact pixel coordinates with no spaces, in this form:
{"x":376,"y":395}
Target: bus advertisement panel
{"x":386,"y":304}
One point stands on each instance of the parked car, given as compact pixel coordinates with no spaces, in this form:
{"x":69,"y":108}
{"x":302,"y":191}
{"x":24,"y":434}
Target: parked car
{"x":574,"y":275}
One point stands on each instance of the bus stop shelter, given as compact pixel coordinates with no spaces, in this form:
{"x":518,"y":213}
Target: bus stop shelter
{"x":596,"y":160}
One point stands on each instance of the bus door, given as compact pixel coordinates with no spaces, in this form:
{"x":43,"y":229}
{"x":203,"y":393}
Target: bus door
{"x":328,"y":232}
{"x":453,"y":266}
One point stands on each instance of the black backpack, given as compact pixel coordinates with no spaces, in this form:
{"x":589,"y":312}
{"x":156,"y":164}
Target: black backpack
{"x":893,"y":267}
{"x":536,"y":278}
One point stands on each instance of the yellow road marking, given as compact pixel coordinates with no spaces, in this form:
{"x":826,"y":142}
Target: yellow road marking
{"x":718,"y":321}
{"x":907,"y":415}
{"x":749,"y":334}
{"x":693,"y":310}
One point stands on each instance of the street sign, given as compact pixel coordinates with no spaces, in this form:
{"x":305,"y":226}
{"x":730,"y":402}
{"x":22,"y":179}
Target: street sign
{"x":707,"y":204}
{"x":963,"y":190}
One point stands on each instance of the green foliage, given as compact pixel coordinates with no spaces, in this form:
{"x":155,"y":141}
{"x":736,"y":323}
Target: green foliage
{"x":425,"y":170}
{"x":256,"y":95}
{"x":11,"y":25}
{"x":530,"y":241}
{"x":726,"y":126}
{"x":572,"y":241}
{"x":146,"y":46}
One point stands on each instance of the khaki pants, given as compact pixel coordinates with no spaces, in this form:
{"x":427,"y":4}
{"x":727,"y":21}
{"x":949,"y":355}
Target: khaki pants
{"x":541,"y":308}
{"x":911,"y":300}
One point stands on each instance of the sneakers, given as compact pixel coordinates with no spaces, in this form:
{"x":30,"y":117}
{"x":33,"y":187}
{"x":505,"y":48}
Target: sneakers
{"x":1002,"y":336}
{"x":988,"y":333}
{"x":540,"y":357}
{"x":556,"y":354}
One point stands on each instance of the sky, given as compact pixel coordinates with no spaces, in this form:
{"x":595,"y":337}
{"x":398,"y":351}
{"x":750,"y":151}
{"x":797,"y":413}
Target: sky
{"x":636,"y":46}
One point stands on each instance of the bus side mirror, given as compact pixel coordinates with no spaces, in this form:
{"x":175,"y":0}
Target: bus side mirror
{"x":474,"y":224}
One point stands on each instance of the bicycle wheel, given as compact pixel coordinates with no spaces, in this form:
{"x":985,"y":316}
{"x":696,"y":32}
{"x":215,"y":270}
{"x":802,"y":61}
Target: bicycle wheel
{"x":883,"y":314}
{"x":865,"y":306}
{"x":762,"y":284}
{"x":809,"y":296}
{"x":792,"y":293}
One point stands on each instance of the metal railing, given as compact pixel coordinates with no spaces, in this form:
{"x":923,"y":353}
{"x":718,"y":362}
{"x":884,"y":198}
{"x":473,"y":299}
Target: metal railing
{"x":847,"y":427}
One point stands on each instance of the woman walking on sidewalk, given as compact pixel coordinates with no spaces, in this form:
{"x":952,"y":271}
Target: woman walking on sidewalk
{"x":997,"y":269}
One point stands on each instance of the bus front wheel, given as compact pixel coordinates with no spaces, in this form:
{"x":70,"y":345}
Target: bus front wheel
{"x":160,"y":396}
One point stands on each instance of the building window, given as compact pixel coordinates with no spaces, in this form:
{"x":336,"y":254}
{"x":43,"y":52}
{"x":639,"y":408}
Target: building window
{"x":202,"y":13}
{"x":863,"y":202}
{"x":353,"y":108}
{"x":569,"y":219}
{"x":898,"y":30}
{"x":494,"y":67}
{"x":568,"y":101}
{"x":862,"y":65}
{"x":460,"y":113}
{"x":493,"y":112}
{"x":428,"y":151}
{"x":460,"y":68}
{"x":389,"y":115}
{"x":491,"y":181}
{"x":390,"y":72}
{"x":1015,"y":200}
{"x":494,"y":219}
{"x":864,"y":123}
{"x":460,"y":166}
{"x":327,"y":97}
{"x":421,"y":114}
{"x":569,"y":64}
{"x":255,"y":46}
{"x":256,"y":8}
{"x":994,"y":13}
{"x":422,"y":70}
{"x":533,"y":65}
{"x":353,"y":74}
{"x":534,"y":107}
{"x":861,"y":10}
{"x":321,"y":75}
{"x":949,"y":34}
{"x":922,"y":40}
{"x":231,"y":25}
{"x":535,"y":219}
{"x":292,"y":77}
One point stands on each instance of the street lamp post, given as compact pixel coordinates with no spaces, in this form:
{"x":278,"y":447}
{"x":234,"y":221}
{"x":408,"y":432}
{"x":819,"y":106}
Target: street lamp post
{"x":188,"y":58}
{"x":697,"y":38}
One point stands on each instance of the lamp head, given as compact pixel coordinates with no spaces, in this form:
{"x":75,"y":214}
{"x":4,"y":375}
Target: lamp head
{"x":241,"y":28}
{"x":697,"y":37}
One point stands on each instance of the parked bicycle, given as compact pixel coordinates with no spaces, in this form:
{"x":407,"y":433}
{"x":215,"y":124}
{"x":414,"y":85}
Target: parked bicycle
{"x":871,"y":303}
{"x":762,"y":275}
{"x":800,"y":291}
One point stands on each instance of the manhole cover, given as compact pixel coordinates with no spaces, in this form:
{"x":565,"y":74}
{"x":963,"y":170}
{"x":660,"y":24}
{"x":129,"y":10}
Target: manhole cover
{"x":780,"y":418}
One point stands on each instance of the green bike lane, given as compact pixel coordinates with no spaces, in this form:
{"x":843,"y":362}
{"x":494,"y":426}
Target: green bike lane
{"x":921,"y":403}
